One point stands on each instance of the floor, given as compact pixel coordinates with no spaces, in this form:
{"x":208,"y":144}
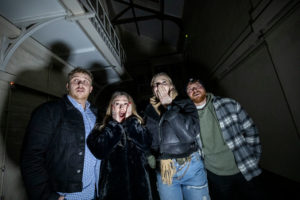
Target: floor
{"x":275,"y":187}
{"x":278,"y":187}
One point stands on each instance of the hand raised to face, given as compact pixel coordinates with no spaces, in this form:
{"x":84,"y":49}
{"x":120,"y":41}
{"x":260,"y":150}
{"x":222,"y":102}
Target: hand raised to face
{"x":162,"y":88}
{"x":129,"y":110}
{"x":163,"y":95}
{"x":121,"y":108}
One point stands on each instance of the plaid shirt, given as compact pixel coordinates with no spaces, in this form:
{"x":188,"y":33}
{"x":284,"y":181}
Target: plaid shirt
{"x":240,"y":135}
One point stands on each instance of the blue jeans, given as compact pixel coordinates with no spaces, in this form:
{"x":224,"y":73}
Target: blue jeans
{"x":189,"y":183}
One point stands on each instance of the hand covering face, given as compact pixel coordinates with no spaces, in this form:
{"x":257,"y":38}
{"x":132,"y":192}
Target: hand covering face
{"x":154,"y":101}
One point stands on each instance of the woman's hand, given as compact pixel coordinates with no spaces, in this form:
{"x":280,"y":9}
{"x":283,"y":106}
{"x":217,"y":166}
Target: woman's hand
{"x":121,"y":111}
{"x":163,"y":95}
{"x":129,"y":110}
{"x":116,"y":115}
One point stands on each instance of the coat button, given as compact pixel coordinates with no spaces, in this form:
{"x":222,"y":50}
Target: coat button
{"x":78,"y":171}
{"x":80,"y":153}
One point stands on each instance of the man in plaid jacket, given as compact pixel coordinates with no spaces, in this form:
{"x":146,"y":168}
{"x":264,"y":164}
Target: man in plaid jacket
{"x":231,"y":145}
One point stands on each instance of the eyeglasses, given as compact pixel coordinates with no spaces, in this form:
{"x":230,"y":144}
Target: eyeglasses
{"x":189,"y":90}
{"x":195,"y":87}
{"x":156,"y":84}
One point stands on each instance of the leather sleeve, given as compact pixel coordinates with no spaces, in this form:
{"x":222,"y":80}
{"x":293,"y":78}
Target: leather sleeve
{"x":183,"y":116}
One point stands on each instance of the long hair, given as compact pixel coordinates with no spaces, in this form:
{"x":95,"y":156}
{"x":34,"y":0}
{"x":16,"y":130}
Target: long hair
{"x":162,"y":74}
{"x":108,"y":113}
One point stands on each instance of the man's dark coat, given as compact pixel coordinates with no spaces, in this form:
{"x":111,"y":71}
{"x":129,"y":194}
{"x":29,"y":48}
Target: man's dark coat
{"x":54,"y":145}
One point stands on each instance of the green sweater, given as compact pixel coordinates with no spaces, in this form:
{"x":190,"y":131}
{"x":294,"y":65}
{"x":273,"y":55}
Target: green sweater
{"x":218,"y":158}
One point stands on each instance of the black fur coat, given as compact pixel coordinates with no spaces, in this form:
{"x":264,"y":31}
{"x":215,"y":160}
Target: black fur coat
{"x":123,"y":148}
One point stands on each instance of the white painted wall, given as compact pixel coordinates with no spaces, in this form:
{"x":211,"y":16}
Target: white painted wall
{"x":31,"y":67}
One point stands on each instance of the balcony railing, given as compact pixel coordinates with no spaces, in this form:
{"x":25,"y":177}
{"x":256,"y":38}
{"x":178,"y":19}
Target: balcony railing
{"x":104,"y":28}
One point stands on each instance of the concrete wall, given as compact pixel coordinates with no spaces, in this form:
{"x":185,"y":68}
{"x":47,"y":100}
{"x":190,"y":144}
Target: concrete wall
{"x":39,"y":75}
{"x":250,"y":51}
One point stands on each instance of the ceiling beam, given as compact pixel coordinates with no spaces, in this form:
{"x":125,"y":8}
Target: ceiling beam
{"x":130,"y":19}
{"x":144,"y":18}
{"x":120,"y":13}
{"x":158,"y":14}
{"x":134,"y":17}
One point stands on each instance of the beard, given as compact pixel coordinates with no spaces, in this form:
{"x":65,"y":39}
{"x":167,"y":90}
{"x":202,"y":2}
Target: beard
{"x":199,"y":99}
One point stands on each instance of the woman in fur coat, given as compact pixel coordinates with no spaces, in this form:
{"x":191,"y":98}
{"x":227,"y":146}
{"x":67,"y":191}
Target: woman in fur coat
{"x":122,"y":143}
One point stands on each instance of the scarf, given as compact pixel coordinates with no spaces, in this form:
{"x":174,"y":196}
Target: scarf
{"x":167,"y":167}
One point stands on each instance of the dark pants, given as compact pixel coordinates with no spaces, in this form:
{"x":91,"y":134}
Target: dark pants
{"x":234,"y":187}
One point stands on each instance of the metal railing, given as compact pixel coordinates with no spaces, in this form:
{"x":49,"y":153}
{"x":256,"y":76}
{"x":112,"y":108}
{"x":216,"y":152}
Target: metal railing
{"x":105,"y":29}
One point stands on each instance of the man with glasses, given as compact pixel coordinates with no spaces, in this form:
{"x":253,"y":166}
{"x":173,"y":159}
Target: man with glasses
{"x":56,"y":163}
{"x":231,"y":145}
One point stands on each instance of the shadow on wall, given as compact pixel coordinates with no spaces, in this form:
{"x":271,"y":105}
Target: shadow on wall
{"x":105,"y":92}
{"x":100,"y":80}
{"x":30,"y":89}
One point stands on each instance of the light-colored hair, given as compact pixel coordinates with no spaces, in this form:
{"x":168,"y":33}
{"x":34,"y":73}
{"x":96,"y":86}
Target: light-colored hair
{"x":108,"y":113}
{"x":162,"y":74}
{"x":168,"y":79}
{"x":79,"y":70}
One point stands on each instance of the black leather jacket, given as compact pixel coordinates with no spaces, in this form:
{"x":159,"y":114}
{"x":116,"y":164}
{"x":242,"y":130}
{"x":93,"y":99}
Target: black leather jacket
{"x":53,"y":150}
{"x":174,"y":131}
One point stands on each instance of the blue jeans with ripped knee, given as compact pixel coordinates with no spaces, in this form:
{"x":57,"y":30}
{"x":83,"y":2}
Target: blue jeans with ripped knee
{"x":189,"y":182}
